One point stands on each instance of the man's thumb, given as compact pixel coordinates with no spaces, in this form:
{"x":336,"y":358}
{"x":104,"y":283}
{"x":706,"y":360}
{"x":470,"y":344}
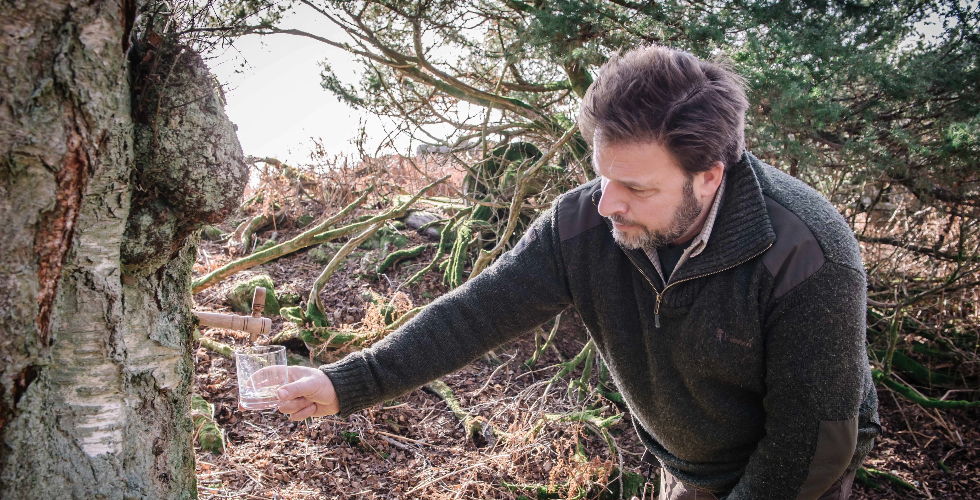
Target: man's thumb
{"x":291,"y":390}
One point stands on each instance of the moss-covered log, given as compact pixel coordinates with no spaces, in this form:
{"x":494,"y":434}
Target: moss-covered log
{"x":399,"y":256}
{"x":207,"y":434}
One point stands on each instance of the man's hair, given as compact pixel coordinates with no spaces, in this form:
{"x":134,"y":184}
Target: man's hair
{"x":693,"y":108}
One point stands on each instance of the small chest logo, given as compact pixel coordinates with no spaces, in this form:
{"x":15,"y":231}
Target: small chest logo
{"x":721,"y":335}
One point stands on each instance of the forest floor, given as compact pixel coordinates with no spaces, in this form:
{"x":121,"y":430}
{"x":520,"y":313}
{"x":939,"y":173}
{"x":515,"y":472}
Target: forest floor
{"x":415,"y":447}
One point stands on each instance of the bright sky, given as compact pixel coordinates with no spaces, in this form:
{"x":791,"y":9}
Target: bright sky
{"x":276,"y":99}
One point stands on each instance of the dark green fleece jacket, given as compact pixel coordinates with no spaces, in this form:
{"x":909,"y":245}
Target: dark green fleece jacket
{"x":746,"y":374}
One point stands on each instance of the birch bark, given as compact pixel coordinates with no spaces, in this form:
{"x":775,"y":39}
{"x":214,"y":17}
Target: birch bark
{"x":114,"y":150}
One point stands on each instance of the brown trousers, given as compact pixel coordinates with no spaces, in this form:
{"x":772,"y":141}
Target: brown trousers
{"x":672,"y":489}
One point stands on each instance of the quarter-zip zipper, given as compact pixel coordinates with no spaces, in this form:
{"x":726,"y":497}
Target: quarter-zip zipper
{"x":660,"y":295}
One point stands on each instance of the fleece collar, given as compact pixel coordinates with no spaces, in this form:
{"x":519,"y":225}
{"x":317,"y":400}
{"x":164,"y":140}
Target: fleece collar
{"x":741,"y":231}
{"x":697,"y":244}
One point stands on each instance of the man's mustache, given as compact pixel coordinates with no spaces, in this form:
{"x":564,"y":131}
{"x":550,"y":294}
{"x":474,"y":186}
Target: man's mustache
{"x":619,"y":219}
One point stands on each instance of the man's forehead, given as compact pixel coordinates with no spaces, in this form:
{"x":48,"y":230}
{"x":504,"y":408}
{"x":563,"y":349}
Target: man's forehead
{"x":632,"y":163}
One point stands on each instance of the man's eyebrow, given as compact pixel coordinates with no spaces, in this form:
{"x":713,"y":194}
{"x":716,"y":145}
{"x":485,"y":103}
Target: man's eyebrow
{"x":635,"y":185}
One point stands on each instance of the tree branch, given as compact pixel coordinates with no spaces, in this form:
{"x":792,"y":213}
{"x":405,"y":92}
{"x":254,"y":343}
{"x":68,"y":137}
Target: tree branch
{"x":931,"y":252}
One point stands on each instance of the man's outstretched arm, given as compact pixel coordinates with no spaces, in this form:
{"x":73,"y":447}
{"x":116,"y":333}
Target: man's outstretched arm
{"x":522,"y":289}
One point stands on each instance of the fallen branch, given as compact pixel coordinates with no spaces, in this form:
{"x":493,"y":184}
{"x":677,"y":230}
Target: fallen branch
{"x":485,"y":257}
{"x":582,"y":384}
{"x":460,"y":471}
{"x":216,"y":347}
{"x":242,"y":236}
{"x":411,"y":313}
{"x":445,"y":240}
{"x":608,"y":391}
{"x":316,"y":235}
{"x":931,"y":252}
{"x":916,"y":397}
{"x":587,"y":352}
{"x":867,"y":475}
{"x":284,"y":336}
{"x":319,"y":338}
{"x":477,"y":428}
{"x":915,"y":371}
{"x":540,"y":491}
{"x":336,"y":260}
{"x":402,"y":438}
{"x":227,"y":351}
{"x":627,"y":485}
{"x":539,"y":350}
{"x":453,"y":275}
{"x":303,"y":240}
{"x":594,"y":422}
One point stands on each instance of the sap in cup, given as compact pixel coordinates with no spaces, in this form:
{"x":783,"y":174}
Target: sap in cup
{"x":257,"y":386}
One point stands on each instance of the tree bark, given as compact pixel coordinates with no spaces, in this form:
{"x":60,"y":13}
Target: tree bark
{"x":115,"y":151}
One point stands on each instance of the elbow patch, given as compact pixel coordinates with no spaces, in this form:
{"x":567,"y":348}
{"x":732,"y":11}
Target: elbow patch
{"x":836,"y":442}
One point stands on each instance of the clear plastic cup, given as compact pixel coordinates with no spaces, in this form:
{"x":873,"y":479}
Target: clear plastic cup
{"x":257,"y":391}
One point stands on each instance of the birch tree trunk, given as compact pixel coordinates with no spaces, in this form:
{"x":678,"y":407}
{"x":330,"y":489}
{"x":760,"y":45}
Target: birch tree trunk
{"x":114,"y":150}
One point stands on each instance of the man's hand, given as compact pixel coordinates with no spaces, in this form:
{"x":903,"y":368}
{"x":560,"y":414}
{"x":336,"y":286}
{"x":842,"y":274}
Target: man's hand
{"x":308,"y":392}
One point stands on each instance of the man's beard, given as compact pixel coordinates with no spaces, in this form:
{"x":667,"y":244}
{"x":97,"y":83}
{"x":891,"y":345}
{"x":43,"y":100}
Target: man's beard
{"x":646,"y":238}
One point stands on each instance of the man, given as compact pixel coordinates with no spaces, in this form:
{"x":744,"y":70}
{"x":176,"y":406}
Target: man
{"x":726,"y":298}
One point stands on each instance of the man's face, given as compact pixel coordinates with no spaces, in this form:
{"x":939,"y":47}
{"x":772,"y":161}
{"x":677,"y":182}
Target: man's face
{"x":649,"y":197}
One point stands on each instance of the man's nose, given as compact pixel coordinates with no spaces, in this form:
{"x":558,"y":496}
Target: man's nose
{"x":610,"y":203}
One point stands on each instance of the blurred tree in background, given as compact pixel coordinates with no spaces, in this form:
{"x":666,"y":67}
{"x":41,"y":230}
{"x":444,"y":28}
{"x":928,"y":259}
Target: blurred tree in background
{"x":873,"y":103}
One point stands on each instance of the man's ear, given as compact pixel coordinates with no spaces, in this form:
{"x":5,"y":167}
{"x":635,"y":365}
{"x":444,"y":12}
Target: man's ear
{"x":706,"y":183}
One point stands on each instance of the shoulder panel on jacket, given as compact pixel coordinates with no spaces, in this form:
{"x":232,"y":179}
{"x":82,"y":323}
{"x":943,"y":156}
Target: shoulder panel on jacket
{"x":578,"y":210}
{"x":795,"y":255}
{"x":825,"y":223}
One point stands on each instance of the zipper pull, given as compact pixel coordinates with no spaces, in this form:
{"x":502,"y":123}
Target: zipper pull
{"x":656,"y":312}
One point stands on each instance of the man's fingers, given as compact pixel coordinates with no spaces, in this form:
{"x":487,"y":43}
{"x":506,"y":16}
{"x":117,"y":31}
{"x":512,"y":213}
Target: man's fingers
{"x":298,"y":389}
{"x":270,"y":375}
{"x":293,"y":405}
{"x":304,"y":413}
